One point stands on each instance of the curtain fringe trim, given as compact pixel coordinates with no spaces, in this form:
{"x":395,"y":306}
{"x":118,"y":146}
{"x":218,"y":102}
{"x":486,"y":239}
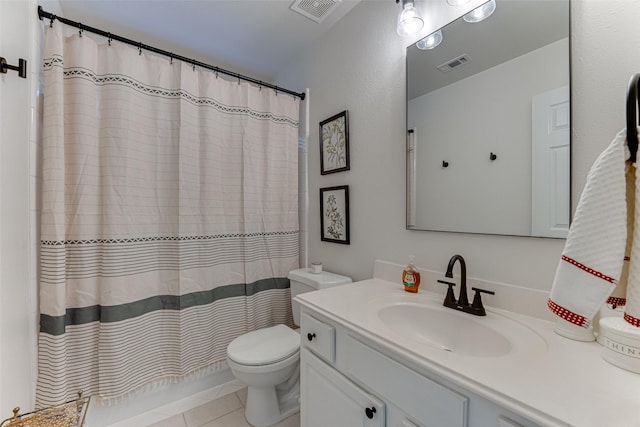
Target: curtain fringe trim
{"x":161,"y":382}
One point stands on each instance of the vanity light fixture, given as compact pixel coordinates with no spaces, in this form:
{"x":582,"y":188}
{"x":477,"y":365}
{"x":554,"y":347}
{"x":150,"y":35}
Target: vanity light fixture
{"x":409,"y":21}
{"x":481,"y":13}
{"x":431,"y":41}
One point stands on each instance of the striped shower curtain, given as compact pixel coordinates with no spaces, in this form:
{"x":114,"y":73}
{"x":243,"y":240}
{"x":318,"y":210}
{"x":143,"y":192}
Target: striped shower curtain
{"x":169,"y":217}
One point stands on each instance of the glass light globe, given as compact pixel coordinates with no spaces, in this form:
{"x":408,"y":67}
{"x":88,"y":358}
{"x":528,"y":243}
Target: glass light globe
{"x":457,"y":2}
{"x":409,"y":22}
{"x":431,"y":41}
{"x":481,"y":13}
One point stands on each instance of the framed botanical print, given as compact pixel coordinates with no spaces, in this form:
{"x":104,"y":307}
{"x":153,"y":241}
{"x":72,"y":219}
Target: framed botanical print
{"x":334,"y":214}
{"x":334,"y":144}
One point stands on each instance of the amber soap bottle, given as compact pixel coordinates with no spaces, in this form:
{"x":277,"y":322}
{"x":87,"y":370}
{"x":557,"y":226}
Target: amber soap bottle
{"x":411,"y":277}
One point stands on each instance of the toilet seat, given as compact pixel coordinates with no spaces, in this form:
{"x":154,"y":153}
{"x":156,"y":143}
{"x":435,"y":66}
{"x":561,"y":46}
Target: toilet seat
{"x":264,"y":346}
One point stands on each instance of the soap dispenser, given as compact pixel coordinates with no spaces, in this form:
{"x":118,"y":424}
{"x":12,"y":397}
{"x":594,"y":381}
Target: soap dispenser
{"x":411,"y":277}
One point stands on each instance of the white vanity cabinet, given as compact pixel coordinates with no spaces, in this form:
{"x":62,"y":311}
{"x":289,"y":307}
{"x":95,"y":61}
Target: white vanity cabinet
{"x":348,"y":380}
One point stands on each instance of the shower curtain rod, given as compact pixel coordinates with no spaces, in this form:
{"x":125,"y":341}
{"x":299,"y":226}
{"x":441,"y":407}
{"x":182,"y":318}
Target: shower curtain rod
{"x":43,"y":14}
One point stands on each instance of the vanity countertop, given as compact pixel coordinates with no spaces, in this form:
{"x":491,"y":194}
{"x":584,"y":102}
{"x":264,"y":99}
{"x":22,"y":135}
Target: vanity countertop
{"x":561,"y":383}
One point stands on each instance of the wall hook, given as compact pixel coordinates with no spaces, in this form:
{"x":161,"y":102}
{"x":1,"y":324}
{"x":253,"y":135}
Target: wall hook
{"x":445,"y":164}
{"x":492,"y":157}
{"x":21,"y":68}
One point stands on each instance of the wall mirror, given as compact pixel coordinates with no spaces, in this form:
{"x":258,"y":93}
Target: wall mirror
{"x":488,"y":124}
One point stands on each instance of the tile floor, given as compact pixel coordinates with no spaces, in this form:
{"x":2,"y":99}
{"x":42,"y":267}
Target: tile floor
{"x":225,"y":411}
{"x":221,"y":406}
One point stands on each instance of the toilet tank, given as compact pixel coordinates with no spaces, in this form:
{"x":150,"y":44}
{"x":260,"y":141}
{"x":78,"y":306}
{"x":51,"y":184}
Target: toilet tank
{"x":303,"y":280}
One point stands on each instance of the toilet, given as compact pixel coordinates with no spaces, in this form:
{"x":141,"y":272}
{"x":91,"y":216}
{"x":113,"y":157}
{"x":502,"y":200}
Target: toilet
{"x":268,"y":360}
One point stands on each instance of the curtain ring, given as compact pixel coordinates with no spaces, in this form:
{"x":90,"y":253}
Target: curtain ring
{"x":171,"y":59}
{"x":51,"y":22}
{"x":109,"y":39}
{"x":193,"y":63}
{"x":260,"y":87}
{"x":80,"y":29}
{"x":238,"y":81}
{"x":216,"y":72}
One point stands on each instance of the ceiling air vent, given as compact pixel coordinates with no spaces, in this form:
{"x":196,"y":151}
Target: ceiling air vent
{"x":316,"y":10}
{"x":454,"y":63}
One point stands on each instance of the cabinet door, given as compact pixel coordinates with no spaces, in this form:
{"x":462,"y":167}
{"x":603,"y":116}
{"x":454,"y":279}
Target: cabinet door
{"x":328,"y":398}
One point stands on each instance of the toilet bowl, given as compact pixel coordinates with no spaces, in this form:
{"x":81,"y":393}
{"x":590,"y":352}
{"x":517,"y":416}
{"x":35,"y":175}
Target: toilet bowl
{"x":267,"y":360}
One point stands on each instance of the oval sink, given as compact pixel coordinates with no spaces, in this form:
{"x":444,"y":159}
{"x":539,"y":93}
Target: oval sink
{"x":461,"y":333}
{"x":448,"y":330}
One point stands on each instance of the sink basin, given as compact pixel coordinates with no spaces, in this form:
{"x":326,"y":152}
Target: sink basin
{"x":430,"y":323}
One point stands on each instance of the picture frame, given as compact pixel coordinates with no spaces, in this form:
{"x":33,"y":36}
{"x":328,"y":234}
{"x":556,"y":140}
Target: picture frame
{"x":334,"y":214}
{"x":334,"y":144}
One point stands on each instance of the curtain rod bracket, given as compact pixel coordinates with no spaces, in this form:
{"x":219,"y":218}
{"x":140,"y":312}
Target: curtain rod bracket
{"x":21,"y":68}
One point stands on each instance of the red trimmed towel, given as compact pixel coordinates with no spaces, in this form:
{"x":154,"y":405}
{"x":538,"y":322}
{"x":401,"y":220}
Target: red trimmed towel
{"x":592,"y":261}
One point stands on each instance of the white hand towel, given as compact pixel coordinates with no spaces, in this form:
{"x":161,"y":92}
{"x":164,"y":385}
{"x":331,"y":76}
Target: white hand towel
{"x":593,"y":256}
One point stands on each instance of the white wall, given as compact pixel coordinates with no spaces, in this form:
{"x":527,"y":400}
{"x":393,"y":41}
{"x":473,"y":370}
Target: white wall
{"x":360,"y":66}
{"x":18,"y":207}
{"x":472,"y":118}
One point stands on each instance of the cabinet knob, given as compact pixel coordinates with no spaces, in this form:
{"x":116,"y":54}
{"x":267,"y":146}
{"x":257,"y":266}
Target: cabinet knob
{"x":370,"y":412}
{"x":311,"y":336}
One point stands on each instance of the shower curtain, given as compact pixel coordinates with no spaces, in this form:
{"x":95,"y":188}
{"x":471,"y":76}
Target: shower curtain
{"x":169,"y":217}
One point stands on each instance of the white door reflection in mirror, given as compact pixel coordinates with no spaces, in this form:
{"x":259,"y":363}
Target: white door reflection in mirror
{"x":550,"y":157}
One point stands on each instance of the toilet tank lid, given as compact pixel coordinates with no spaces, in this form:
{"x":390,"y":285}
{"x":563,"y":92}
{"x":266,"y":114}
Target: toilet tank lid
{"x":320,"y":280}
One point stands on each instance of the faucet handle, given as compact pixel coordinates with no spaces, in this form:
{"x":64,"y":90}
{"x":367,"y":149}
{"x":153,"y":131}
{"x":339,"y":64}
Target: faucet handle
{"x":450,"y":298}
{"x":477,"y":306}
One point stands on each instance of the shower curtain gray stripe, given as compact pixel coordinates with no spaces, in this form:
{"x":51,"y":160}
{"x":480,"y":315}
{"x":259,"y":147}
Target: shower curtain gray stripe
{"x":144,"y":341}
{"x":56,"y":325}
{"x":169,"y":217}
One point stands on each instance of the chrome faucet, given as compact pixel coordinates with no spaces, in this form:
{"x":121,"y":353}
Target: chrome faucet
{"x":462,"y":303}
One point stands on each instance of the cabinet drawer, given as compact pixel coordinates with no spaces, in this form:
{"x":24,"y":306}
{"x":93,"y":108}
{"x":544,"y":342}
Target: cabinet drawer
{"x":319,"y":337}
{"x":421,"y":398}
{"x":328,"y":399}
